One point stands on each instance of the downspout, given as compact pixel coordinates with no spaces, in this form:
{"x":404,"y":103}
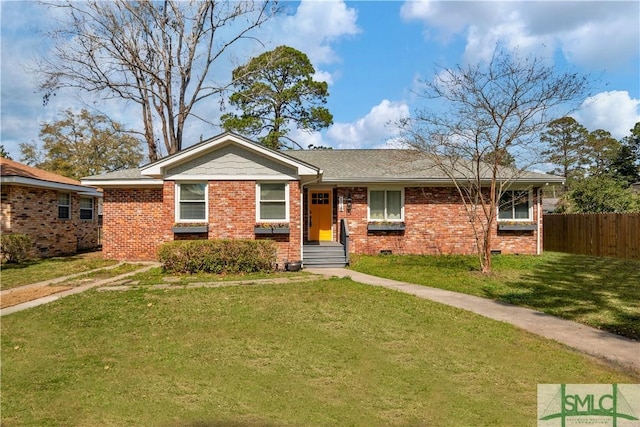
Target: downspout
{"x":302,"y":222}
{"x":538,"y":234}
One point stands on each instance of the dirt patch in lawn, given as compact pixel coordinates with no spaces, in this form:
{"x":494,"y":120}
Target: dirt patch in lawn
{"x":16,"y":297}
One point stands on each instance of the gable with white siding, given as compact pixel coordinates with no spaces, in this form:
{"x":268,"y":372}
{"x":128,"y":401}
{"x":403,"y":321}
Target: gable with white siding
{"x":231,"y":162}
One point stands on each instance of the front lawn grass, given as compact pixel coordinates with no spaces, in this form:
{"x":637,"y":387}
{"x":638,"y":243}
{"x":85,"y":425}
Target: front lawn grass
{"x":157,"y":276}
{"x":326,"y":352}
{"x":101,"y":274}
{"x":599,"y":292}
{"x":34,"y":271}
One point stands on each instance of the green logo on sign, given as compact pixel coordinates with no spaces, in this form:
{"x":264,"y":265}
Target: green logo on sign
{"x":587,"y":401}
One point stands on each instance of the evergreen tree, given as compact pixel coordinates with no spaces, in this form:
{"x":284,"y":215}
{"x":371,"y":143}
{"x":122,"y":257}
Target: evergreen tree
{"x":602,"y":194}
{"x":273,"y":90}
{"x":565,"y":139}
{"x":626,"y":165}
{"x":601,"y":150}
{"x":4,"y":153}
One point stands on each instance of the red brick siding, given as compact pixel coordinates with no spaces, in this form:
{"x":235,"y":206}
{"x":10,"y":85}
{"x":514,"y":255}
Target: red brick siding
{"x":34,"y":211}
{"x":134,"y":223}
{"x":137,"y":221}
{"x":436,"y":223}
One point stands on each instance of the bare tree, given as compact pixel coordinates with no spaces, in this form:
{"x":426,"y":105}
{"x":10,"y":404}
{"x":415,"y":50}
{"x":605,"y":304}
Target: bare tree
{"x":156,"y":54}
{"x":486,"y":113}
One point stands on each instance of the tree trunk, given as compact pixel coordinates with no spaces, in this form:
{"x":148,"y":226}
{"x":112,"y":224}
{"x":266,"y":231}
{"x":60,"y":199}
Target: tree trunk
{"x":486,"y":248}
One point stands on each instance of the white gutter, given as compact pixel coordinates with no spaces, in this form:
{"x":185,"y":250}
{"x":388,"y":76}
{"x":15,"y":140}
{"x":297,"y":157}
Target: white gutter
{"x":32,"y":182}
{"x":430,"y":181}
{"x":123,"y":182}
{"x":538,"y":235}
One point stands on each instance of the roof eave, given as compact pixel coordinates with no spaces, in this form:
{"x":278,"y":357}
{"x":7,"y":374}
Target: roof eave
{"x":435,"y":181}
{"x":131,"y":182}
{"x":51,"y":185}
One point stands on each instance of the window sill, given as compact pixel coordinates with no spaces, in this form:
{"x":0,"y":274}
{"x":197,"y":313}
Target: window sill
{"x":517,"y":227}
{"x":184,"y":229}
{"x":386,"y":227}
{"x":271,"y":230}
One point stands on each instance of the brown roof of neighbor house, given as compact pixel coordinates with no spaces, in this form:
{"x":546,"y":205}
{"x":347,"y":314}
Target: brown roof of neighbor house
{"x":13,"y":168}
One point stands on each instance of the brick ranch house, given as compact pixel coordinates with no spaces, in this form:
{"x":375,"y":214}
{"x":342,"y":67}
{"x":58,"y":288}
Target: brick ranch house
{"x":58,"y":213}
{"x":318,"y":205}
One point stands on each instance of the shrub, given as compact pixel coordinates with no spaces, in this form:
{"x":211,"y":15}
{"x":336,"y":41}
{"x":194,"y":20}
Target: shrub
{"x":15,"y":248}
{"x":218,"y":256}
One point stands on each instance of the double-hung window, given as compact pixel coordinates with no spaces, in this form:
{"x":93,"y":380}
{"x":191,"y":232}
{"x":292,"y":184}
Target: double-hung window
{"x":86,"y":208}
{"x":191,"y":202}
{"x":385,"y":205}
{"x":64,"y":206}
{"x":273,"y":202}
{"x":515,"y":205}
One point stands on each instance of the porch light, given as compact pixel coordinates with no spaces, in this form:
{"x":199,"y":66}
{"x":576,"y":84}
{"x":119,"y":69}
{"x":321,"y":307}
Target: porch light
{"x":349,"y":203}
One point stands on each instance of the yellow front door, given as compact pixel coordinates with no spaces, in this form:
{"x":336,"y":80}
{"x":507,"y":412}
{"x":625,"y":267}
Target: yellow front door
{"x":319,"y":215}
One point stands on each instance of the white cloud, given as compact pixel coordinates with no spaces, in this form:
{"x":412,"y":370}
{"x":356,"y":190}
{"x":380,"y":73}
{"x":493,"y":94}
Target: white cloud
{"x":305,"y":139}
{"x":374,"y":129}
{"x":312,"y":29}
{"x":314,"y":26}
{"x":613,"y":111}
{"x":323,"y":76}
{"x":595,"y":33}
{"x":448,"y":18}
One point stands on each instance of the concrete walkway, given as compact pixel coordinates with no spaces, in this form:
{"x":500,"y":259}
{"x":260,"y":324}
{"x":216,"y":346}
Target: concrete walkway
{"x":613,"y":348}
{"x":75,"y":290}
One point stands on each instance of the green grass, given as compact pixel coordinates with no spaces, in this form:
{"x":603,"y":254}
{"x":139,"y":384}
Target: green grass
{"x":329,"y":352}
{"x":599,"y":292}
{"x":14,"y":275}
{"x":156,"y":276}
{"x":101,"y":274}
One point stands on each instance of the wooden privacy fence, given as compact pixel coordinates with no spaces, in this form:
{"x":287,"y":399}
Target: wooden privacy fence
{"x":604,"y":234}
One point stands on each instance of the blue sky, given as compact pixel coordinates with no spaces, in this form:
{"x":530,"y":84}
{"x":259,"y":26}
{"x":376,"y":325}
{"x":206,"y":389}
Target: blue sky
{"x":373,"y":55}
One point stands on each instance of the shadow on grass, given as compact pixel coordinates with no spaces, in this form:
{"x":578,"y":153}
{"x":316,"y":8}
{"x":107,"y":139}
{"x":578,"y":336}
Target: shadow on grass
{"x":37,"y":270}
{"x":600,"y":292}
{"x":38,"y":261}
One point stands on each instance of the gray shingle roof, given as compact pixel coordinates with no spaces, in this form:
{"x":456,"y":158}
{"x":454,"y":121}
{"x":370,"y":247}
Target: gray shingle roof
{"x":387,"y":165}
{"x":358,"y":165}
{"x":118,"y":175}
{"x":366,"y":165}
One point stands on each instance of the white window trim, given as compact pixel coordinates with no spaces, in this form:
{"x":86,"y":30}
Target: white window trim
{"x":529,"y":202}
{"x":286,"y":202}
{"x":177,"y":203}
{"x":86,"y":209}
{"x":58,"y":205}
{"x":385,"y":189}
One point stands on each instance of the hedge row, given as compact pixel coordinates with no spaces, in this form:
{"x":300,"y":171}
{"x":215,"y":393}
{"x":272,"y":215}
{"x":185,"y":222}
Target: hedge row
{"x":218,"y":256}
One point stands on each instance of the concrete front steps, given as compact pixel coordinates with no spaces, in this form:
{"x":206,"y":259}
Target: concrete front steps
{"x":323,"y":254}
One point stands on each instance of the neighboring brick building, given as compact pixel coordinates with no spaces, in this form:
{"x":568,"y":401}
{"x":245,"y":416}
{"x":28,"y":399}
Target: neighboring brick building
{"x":231,"y":187}
{"x":58,"y":213}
